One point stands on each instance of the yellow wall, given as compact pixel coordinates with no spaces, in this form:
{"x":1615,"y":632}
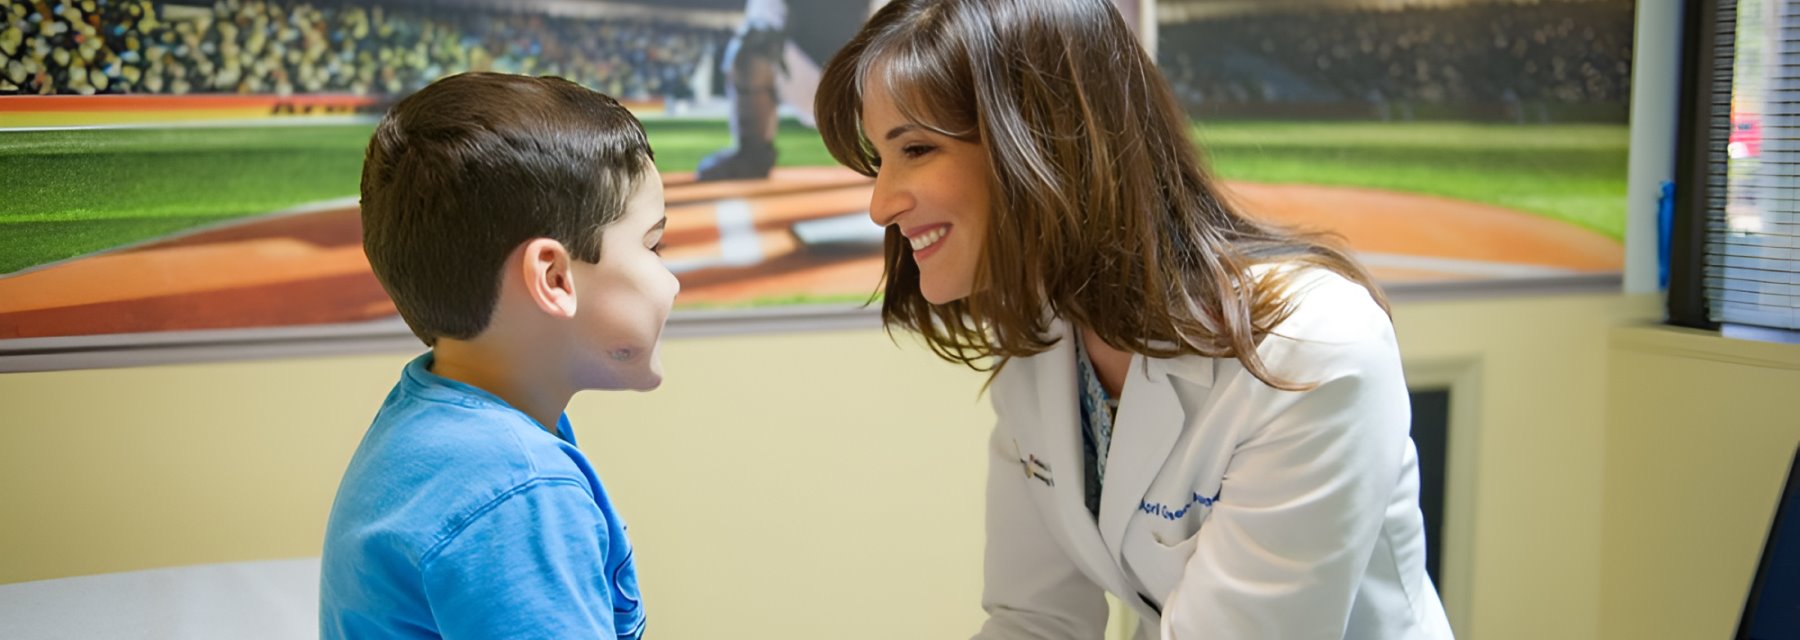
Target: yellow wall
{"x":809,"y":485}
{"x":113,"y":470}
{"x":1523,"y":531}
{"x":1700,"y":432}
{"x":804,"y":485}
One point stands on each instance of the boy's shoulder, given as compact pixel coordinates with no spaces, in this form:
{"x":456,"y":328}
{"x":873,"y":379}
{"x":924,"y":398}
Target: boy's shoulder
{"x":437,"y":455}
{"x":439,"y":499}
{"x":472,"y":439}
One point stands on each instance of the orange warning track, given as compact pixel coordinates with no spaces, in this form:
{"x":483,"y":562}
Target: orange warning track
{"x":309,"y":268}
{"x":1403,"y":223}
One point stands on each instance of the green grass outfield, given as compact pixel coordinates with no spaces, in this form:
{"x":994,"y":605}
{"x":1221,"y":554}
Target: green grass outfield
{"x":1574,"y":173}
{"x":69,"y":193}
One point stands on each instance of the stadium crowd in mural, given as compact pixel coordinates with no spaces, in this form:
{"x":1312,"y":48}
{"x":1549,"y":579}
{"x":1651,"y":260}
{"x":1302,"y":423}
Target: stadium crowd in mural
{"x":1491,"y":53}
{"x":252,"y":46}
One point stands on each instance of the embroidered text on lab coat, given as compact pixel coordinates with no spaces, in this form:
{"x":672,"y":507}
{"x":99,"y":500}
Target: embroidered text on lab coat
{"x":1163,"y":511}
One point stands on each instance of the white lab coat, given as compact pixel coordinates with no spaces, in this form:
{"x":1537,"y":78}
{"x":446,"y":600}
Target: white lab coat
{"x":1315,"y":531}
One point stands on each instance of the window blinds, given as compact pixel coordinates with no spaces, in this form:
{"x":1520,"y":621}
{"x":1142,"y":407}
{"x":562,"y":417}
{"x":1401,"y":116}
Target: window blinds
{"x":1752,"y":258}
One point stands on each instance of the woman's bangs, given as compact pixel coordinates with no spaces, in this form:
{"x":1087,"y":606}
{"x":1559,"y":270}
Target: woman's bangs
{"x":918,"y":81}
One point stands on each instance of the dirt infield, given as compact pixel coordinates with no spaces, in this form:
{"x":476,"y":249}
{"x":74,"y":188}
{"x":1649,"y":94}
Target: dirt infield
{"x":731,"y":242}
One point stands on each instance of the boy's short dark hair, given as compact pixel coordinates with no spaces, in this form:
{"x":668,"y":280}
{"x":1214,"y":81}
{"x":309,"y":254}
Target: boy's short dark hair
{"x":460,"y":173}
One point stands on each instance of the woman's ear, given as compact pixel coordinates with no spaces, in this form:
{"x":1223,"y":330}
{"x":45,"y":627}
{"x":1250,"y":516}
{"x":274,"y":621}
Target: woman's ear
{"x":549,"y":282}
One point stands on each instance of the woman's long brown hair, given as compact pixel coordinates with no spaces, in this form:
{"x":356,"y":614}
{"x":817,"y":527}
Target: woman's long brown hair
{"x":1103,"y":213}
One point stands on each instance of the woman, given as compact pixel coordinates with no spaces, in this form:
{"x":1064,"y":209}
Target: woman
{"x":1199,"y":412}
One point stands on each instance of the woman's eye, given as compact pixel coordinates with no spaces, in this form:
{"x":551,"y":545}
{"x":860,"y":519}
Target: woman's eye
{"x":916,"y":150}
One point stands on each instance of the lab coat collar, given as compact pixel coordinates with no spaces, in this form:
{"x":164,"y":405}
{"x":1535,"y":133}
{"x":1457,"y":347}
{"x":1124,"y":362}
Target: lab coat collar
{"x":1149,"y":421}
{"x":1195,"y":370}
{"x":1060,"y":420}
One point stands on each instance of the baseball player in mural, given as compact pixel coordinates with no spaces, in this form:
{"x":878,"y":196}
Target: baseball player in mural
{"x":774,"y":59}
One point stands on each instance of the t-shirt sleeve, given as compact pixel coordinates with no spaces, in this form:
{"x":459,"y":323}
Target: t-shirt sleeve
{"x":531,"y":564}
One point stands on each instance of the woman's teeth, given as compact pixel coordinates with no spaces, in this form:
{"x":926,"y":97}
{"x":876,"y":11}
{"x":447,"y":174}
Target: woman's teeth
{"x":928,"y":238}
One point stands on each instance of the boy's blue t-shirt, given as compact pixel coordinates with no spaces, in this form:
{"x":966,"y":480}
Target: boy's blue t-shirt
{"x":460,"y":517}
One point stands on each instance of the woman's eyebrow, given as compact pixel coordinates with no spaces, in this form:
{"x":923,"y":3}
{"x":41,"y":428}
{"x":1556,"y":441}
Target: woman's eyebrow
{"x":898,"y":131}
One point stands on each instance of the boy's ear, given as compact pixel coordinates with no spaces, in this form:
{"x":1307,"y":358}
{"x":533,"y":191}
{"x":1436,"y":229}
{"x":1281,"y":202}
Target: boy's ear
{"x":549,"y":282}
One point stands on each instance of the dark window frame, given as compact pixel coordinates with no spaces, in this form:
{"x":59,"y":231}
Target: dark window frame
{"x":1694,"y":141}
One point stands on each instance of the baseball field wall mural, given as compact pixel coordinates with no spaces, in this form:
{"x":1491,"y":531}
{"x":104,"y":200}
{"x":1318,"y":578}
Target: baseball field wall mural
{"x":191,"y":168}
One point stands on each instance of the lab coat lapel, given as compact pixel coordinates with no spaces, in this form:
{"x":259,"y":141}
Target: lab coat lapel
{"x":1060,"y":430}
{"x":1149,"y":421}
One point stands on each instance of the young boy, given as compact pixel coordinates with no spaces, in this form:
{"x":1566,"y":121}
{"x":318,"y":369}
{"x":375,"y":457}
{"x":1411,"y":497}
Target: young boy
{"x":515,"y":222}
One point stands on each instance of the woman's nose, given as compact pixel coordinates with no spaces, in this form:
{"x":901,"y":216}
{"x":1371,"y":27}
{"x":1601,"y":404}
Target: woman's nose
{"x":887,"y":201}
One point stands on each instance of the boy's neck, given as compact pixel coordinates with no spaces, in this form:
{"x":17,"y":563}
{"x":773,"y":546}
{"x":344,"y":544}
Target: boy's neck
{"x":525,"y":383}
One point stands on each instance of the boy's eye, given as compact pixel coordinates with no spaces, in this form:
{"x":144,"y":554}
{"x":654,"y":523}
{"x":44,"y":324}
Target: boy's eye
{"x":658,"y":248}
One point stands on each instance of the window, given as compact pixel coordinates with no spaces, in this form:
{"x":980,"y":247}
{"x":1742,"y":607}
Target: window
{"x":1735,"y":254}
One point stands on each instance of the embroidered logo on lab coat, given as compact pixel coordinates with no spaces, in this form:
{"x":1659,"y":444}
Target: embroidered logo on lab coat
{"x":1163,"y":511}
